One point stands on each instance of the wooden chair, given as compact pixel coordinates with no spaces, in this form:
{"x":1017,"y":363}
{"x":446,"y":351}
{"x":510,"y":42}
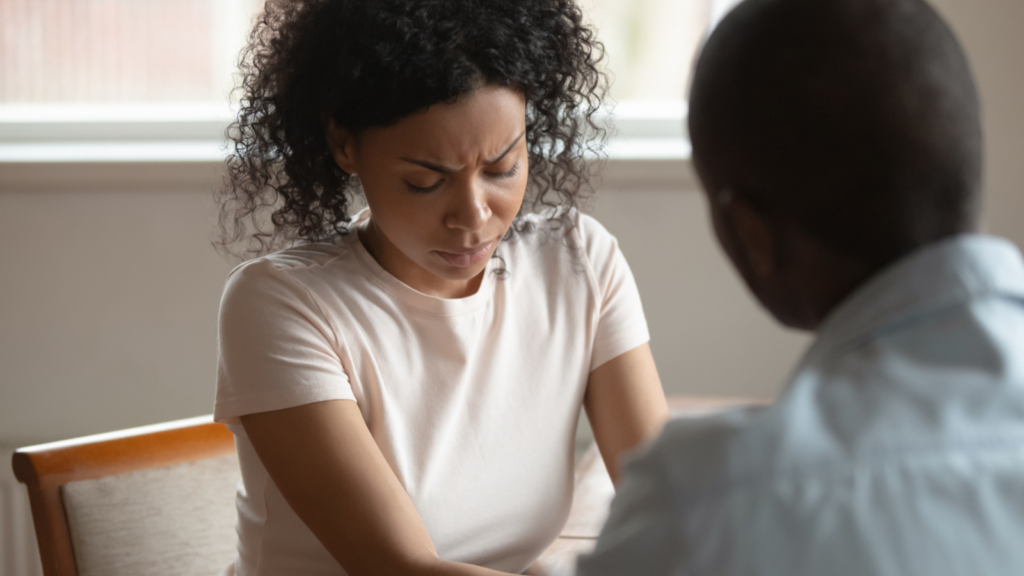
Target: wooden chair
{"x":143,"y":475}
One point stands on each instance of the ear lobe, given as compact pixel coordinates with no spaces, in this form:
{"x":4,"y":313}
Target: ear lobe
{"x":343,"y":147}
{"x":757,"y":241}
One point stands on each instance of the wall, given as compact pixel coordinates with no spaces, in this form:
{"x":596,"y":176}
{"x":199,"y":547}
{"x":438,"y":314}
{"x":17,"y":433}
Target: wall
{"x":991,"y":32}
{"x":708,"y":336}
{"x":110,"y":290}
{"x":109,"y":303}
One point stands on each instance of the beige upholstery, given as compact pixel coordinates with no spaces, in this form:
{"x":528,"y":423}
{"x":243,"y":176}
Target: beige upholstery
{"x":172,"y":520}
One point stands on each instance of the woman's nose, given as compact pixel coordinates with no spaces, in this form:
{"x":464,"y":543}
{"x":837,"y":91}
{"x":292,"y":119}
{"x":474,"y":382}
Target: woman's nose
{"x":469,"y":209}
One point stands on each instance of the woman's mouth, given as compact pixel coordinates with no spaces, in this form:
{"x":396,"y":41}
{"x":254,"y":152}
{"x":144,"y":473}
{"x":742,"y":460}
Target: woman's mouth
{"x":467,"y":257}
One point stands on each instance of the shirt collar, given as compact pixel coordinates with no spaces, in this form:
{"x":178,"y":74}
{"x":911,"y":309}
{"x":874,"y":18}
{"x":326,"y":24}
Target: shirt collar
{"x":938,"y":275}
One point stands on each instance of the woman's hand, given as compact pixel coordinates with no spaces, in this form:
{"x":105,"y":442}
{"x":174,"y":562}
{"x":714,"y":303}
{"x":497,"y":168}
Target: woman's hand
{"x":625,"y":404}
{"x":329,"y":469}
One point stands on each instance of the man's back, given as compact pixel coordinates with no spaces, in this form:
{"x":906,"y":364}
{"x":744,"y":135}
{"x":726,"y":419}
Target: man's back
{"x":896,"y":448}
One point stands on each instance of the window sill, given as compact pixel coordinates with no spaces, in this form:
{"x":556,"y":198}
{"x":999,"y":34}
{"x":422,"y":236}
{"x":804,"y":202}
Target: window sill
{"x":112,"y":152}
{"x":159,"y":145}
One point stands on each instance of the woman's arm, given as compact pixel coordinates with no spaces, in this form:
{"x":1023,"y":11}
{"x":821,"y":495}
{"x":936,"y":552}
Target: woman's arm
{"x":625,"y":404}
{"x":329,"y":469}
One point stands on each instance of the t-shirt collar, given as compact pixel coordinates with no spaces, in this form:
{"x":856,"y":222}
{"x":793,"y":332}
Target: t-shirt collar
{"x":409,"y":295}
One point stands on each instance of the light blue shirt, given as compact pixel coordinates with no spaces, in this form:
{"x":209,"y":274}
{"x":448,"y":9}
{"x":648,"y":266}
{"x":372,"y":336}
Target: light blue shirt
{"x":896,"y":448}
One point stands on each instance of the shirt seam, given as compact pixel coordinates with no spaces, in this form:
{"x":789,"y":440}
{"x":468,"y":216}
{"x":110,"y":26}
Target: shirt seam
{"x":320,"y":308}
{"x":282,"y":267}
{"x":374,"y":278}
{"x":595,"y":315}
{"x":591,"y":274}
{"x":247,"y":397}
{"x":634,"y":329}
{"x":420,"y":310}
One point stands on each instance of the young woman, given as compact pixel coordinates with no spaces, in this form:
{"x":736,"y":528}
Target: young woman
{"x":404,"y":381}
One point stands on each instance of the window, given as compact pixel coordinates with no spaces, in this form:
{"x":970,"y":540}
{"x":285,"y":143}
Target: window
{"x":117,"y":76}
{"x":114,"y":51}
{"x":649,"y":43}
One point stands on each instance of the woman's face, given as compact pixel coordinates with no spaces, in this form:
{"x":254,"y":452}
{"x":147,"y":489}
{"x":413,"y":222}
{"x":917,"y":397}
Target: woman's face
{"x":443,"y":187}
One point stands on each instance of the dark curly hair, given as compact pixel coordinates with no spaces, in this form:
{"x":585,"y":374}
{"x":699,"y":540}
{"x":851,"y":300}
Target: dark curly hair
{"x":370,"y":63}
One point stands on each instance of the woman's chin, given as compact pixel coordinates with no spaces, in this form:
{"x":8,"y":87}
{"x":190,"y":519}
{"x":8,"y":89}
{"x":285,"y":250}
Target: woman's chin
{"x":460,"y":273}
{"x":475,"y":260}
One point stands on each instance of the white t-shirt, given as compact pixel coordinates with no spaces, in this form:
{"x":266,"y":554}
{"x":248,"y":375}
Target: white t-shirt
{"x":473,"y":401}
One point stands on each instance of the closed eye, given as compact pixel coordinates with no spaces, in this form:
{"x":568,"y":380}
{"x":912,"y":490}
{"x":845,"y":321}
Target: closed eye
{"x":506,"y":174}
{"x":424,"y":189}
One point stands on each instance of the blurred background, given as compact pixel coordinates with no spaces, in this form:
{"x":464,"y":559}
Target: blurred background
{"x":132,"y":51}
{"x":111,"y":121}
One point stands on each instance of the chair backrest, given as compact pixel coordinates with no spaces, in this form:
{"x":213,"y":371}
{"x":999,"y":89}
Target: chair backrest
{"x":146,"y":501}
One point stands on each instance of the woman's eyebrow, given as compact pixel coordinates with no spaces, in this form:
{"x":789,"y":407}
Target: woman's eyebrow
{"x":444,"y":170}
{"x":507,"y":150}
{"x":429,"y":165}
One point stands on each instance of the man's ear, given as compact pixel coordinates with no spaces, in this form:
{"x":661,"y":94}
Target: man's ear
{"x":757,"y":240}
{"x":343,"y":147}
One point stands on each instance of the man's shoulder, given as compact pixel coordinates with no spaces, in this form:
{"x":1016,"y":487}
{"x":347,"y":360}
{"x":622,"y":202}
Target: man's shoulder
{"x":820,"y":432}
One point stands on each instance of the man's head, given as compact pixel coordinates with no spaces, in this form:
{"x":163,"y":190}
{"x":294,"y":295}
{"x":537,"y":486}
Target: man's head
{"x":833,"y":137}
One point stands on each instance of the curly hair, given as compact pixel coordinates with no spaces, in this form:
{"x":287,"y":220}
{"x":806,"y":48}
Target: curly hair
{"x":370,"y":63}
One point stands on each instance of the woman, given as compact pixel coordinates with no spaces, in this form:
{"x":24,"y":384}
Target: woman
{"x":404,"y":382}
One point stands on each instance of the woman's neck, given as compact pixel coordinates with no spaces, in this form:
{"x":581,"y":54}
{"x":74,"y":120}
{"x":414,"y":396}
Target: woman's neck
{"x":392,"y":260}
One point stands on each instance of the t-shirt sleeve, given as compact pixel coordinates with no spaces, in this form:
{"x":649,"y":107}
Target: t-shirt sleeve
{"x":622,"y":325}
{"x":276,"y":347}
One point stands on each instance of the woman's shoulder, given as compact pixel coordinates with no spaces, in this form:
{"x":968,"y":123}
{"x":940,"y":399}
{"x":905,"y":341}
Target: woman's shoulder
{"x":296,"y":268}
{"x":300,"y":256}
{"x":566,"y":232}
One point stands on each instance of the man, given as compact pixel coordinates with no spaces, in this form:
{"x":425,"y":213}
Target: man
{"x":840,"y":146}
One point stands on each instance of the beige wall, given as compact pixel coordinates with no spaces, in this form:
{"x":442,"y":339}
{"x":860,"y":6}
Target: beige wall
{"x":991,"y":31}
{"x":708,"y":335}
{"x":109,"y":292}
{"x":109,"y":301}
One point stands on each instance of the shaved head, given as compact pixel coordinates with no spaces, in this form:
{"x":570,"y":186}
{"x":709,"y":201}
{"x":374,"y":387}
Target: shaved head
{"x":857,"y":120}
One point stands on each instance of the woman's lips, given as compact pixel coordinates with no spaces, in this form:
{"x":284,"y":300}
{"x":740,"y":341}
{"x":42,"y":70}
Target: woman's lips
{"x":471,"y":257}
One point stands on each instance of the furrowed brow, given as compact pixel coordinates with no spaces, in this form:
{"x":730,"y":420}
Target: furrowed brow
{"x":430,"y":166}
{"x":445,"y":170}
{"x":507,"y":150}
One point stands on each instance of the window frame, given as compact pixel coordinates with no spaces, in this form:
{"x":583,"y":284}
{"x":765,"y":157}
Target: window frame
{"x":55,"y":143}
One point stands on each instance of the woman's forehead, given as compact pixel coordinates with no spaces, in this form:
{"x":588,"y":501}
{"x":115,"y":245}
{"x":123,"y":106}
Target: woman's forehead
{"x":479,"y":126}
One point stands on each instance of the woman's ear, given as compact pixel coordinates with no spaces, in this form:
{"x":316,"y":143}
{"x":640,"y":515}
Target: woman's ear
{"x":343,"y":147}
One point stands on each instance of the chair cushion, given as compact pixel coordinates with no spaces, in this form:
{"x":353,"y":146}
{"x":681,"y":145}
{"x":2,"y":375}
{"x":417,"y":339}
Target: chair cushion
{"x":172,"y":520}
